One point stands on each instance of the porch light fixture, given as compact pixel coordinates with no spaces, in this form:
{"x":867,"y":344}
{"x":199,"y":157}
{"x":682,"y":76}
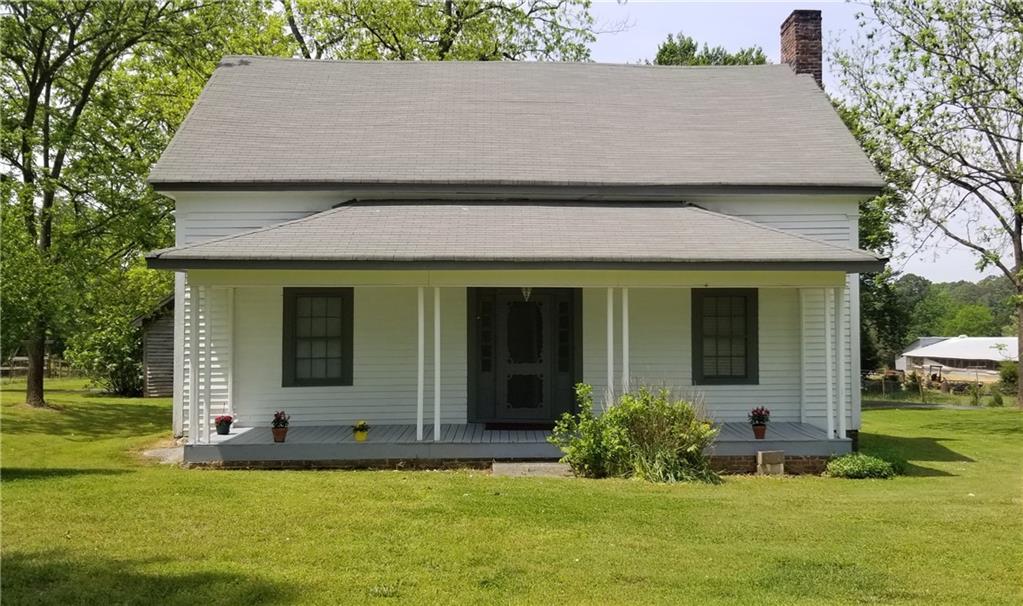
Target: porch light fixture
{"x":526,"y":291}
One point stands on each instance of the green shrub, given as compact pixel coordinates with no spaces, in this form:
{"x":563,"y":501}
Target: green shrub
{"x":858,"y":465}
{"x":593,"y":447}
{"x":996,"y":398}
{"x":1008,"y":373}
{"x":649,"y":435}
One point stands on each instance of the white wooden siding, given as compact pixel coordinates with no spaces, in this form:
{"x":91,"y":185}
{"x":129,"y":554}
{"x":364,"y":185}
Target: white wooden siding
{"x":661,"y":350}
{"x":383,"y":386}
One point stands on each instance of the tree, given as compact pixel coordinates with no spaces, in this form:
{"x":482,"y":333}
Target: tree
{"x":942,"y":85}
{"x":477,"y":30}
{"x":108,"y":346}
{"x":684,"y":50}
{"x":90,"y":101}
{"x":970,"y":320}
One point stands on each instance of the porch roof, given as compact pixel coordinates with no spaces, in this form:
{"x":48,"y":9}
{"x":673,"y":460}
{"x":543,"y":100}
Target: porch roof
{"x":511,"y":234}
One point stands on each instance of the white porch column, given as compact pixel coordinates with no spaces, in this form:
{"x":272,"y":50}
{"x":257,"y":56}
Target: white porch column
{"x":625,"y":340}
{"x":207,"y":369}
{"x":842,"y":365}
{"x":436,"y":363}
{"x":421,"y":366}
{"x":829,"y":359}
{"x":802,"y":355}
{"x":193,"y":370}
{"x":231,"y":349}
{"x":610,"y":343}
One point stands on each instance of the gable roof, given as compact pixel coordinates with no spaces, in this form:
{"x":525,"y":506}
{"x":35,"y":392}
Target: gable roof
{"x":290,"y":122}
{"x":969,"y":348}
{"x":445,"y":234}
{"x":165,"y":305}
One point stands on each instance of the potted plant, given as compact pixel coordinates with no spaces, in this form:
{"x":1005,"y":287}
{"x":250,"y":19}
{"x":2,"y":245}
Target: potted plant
{"x":280,"y":426}
{"x":758,"y":418}
{"x":223,"y":423}
{"x":361,"y":430}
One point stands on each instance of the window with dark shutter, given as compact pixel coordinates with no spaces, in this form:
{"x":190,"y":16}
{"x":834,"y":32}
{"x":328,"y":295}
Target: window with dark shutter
{"x":317,"y":336}
{"x":725,"y":336}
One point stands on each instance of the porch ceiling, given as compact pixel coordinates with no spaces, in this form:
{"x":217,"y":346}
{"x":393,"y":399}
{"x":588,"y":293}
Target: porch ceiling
{"x":516,"y":234}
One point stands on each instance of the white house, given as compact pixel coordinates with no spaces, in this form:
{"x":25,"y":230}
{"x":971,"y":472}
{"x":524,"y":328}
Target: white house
{"x":445,"y":249}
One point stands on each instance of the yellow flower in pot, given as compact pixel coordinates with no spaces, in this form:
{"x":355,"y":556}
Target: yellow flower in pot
{"x":361,"y":430}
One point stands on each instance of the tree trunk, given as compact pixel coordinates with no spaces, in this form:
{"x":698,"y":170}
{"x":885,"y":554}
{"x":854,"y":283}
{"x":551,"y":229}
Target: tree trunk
{"x":1019,"y":344}
{"x":36,"y":368}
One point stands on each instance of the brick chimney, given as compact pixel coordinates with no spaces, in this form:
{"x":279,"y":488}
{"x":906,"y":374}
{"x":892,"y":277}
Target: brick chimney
{"x":801,"y":43}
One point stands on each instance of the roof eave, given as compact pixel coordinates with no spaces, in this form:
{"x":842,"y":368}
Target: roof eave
{"x":156,"y":261}
{"x":606,"y":189}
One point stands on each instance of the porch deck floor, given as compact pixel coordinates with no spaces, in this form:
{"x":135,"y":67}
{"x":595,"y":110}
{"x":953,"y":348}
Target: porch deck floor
{"x":468,"y":441}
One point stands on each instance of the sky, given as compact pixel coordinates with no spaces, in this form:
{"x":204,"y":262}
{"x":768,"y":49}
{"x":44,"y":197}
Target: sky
{"x":741,"y":24}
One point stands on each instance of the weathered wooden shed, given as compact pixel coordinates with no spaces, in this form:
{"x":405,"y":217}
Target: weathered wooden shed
{"x":158,"y":349}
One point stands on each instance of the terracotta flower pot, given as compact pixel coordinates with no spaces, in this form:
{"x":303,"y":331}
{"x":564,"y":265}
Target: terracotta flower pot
{"x":279,"y":433}
{"x":360,"y":436}
{"x":223,"y":429}
{"x":759,"y":431}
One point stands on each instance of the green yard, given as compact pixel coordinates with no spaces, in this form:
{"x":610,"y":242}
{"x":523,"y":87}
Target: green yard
{"x":85,"y":521}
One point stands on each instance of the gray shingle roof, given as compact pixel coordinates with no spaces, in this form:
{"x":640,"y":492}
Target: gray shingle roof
{"x":287,"y":121}
{"x":497,"y":234}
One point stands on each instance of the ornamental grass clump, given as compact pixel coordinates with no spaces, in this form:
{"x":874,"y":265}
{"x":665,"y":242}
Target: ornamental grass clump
{"x":645,"y":434}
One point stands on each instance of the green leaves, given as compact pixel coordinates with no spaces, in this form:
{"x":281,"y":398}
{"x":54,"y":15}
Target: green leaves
{"x":466,"y":30}
{"x":684,"y":50}
{"x":646,"y":434}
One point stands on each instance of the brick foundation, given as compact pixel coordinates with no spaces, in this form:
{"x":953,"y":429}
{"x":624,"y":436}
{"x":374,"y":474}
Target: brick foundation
{"x":794,"y":465}
{"x":397,"y":464}
{"x":728,"y":465}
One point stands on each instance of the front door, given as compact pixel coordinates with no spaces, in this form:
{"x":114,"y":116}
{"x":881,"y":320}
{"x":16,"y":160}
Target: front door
{"x":524,"y":356}
{"x":524,"y":353}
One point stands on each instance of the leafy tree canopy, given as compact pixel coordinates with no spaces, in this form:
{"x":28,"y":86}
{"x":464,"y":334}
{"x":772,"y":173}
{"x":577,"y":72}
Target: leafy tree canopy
{"x":684,"y":50}
{"x":477,"y":30}
{"x":940,"y":84}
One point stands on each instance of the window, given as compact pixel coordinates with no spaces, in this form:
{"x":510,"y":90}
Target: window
{"x":725,"y":336}
{"x":317,"y":336}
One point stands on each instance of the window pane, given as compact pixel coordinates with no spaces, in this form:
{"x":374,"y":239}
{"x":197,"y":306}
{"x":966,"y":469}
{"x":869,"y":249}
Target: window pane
{"x":303,"y":307}
{"x":318,"y":369}
{"x":304,"y":328}
{"x":302,"y":369}
{"x":319,"y":348}
{"x":334,"y":348}
{"x":302,"y":349}
{"x":724,"y":347}
{"x":333,"y":367}
{"x":738,"y":366}
{"x":334,"y":307}
{"x":319,"y":327}
{"x":319,"y":307}
{"x":333,"y":327}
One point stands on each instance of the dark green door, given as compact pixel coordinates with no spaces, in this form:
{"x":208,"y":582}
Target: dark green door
{"x":523,"y":353}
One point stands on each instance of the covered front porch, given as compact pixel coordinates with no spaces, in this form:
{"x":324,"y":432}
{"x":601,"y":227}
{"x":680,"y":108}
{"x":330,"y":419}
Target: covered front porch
{"x":335,"y":444}
{"x":431,"y":341}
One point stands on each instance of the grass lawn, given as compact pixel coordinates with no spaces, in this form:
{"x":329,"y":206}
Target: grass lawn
{"x":86,"y":522}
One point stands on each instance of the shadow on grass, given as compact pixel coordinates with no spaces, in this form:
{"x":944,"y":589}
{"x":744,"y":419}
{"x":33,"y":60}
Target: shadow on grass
{"x":93,"y":420}
{"x":15,"y":474}
{"x":912,"y":449}
{"x":54,"y":577}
